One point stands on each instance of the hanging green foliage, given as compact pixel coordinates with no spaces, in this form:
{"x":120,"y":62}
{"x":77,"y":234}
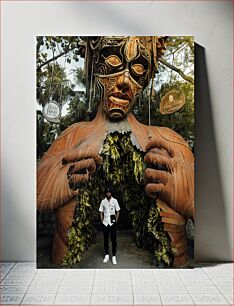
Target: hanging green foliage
{"x":81,"y":234}
{"x":162,"y":249}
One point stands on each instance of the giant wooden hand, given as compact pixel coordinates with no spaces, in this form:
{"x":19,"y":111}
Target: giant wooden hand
{"x":81,"y":164}
{"x":169,"y":178}
{"x":60,"y":174}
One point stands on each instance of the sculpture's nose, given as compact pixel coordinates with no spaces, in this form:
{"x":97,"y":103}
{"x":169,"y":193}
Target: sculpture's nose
{"x":123,"y":83}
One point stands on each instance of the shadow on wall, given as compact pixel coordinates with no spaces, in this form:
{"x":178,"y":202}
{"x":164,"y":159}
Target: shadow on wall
{"x":211,"y":232}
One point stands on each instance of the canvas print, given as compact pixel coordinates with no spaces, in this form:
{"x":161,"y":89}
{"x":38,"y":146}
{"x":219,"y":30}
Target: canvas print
{"x":115,"y":151}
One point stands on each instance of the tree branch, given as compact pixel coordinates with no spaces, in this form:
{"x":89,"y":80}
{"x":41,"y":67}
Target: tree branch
{"x":54,"y":58}
{"x":178,"y":42}
{"x":180,"y":72}
{"x":190,"y":43}
{"x":178,"y":49}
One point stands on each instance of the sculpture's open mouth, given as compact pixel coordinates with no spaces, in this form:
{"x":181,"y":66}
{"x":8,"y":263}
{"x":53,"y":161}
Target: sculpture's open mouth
{"x":118,"y":101}
{"x":118,"y":105}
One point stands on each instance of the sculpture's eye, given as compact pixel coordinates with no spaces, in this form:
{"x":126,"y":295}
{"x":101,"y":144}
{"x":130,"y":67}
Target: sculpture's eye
{"x":113,"y":60}
{"x":138,"y":69}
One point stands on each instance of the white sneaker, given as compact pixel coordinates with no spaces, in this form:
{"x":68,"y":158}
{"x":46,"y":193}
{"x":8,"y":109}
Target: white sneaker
{"x":106,"y":258}
{"x":114,"y":260}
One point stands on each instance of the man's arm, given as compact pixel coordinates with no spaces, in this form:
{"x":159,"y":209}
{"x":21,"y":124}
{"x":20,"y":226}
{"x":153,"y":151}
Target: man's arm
{"x":117,"y":216}
{"x":117,"y":209}
{"x":101,"y":212}
{"x":101,"y":216}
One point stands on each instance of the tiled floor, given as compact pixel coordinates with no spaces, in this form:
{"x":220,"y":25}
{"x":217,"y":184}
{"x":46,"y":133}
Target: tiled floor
{"x":207,"y":284}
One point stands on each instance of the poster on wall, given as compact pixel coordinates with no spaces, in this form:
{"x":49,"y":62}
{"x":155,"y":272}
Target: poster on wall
{"x":115,"y":152}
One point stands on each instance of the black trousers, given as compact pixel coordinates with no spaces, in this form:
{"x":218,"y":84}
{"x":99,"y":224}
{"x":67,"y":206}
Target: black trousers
{"x":109,"y":231}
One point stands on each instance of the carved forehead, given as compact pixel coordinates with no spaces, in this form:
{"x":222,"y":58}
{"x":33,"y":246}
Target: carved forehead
{"x":133,"y":47}
{"x":95,"y":49}
{"x":151,"y":45}
{"x":130,"y":46}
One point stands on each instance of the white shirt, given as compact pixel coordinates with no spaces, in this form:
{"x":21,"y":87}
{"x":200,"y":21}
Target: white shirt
{"x":108,"y":208}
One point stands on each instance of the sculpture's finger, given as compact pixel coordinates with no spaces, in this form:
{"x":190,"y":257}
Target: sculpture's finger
{"x":161,"y":143}
{"x":152,"y":189}
{"x":98,"y":159}
{"x":161,"y":151}
{"x":77,"y":155}
{"x":156,"y":176}
{"x":76,"y":179}
{"x":85,"y":164}
{"x":156,"y":159}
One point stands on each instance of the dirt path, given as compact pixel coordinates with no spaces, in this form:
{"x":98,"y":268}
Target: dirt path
{"x":128,"y":254}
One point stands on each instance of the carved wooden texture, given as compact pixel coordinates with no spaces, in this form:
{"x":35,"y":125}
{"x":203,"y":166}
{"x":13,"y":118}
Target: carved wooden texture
{"x":175,"y":226}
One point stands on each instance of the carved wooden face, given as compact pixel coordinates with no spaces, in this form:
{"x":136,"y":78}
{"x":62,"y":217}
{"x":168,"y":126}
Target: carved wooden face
{"x":121,"y":72}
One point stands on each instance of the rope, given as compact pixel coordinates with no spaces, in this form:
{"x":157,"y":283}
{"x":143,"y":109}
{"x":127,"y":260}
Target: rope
{"x":51,"y":79}
{"x":150,"y":95}
{"x":149,"y":110}
{"x":61,"y":88}
{"x":90,"y":89}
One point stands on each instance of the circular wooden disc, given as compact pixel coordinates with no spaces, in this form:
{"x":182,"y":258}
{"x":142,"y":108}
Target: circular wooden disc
{"x":171,"y":102}
{"x":52,"y":111}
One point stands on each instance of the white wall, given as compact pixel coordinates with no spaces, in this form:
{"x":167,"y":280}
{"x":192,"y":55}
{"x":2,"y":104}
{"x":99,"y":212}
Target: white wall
{"x":211,"y":24}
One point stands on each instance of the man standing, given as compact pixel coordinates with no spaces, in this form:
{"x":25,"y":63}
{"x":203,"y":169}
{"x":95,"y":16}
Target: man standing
{"x":109,"y":214}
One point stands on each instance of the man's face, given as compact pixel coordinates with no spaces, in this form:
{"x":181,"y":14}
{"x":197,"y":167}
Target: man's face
{"x":108,"y":195}
{"x":121,"y":72}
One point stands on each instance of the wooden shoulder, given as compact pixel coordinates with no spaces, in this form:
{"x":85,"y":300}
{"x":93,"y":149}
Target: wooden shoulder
{"x":177,"y":141}
{"x":72,"y":129}
{"x":172,"y":136}
{"x":65,"y":140}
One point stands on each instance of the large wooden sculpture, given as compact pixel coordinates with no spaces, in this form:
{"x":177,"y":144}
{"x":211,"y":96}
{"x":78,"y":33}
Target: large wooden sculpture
{"x":120,"y":67}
